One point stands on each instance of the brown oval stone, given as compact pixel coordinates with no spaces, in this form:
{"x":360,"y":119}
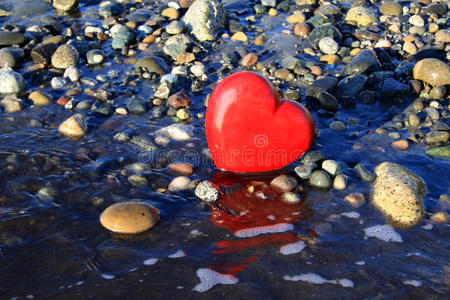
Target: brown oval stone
{"x":184,"y":169}
{"x":74,"y":127}
{"x":249,"y":60}
{"x":178,"y":100}
{"x":432,"y":71}
{"x":129,"y":217}
{"x":442,"y":36}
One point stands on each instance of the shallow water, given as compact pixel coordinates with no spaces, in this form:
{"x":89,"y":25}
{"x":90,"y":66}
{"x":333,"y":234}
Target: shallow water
{"x":318,"y":249}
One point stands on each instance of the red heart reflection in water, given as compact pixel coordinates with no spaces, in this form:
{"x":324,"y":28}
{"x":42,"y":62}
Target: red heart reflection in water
{"x":255,"y":214}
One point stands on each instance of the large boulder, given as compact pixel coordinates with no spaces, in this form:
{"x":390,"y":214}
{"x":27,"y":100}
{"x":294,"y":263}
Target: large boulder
{"x":205,"y":17}
{"x":397,"y":193}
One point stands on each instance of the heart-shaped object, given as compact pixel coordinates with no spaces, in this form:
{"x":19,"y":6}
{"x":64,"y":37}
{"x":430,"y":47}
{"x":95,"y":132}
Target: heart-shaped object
{"x":249,"y":129}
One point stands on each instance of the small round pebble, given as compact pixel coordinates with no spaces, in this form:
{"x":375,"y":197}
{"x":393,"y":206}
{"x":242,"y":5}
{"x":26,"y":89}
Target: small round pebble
{"x":340,"y":182}
{"x":328,"y":46}
{"x":283,"y":183}
{"x":207,"y":191}
{"x":129,"y":217}
{"x":331,"y":166}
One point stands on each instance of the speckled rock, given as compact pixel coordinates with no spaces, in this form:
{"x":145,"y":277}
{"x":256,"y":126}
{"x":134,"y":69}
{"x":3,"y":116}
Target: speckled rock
{"x":320,"y":179}
{"x":11,"y":82}
{"x":207,"y":191}
{"x":397,"y":193}
{"x":65,"y":56}
{"x":432,"y":71}
{"x":74,"y":127}
{"x":129,"y":217}
{"x":361,"y":15}
{"x":205,"y":17}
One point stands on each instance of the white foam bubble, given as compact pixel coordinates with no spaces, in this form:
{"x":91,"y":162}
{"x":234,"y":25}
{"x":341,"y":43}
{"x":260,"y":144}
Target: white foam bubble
{"x":428,"y":226}
{"x":317,"y":279}
{"x":209,"y":278}
{"x":178,"y":254}
{"x":415,"y":283}
{"x":351,"y":214}
{"x":254,"y":231}
{"x":292,"y":248}
{"x":150,"y":261}
{"x":107,"y":276}
{"x":383,"y":232}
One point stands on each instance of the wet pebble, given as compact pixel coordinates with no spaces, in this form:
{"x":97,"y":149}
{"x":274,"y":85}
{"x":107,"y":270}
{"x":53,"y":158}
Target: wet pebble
{"x":363,"y":173}
{"x":74,"y":127}
{"x":340,"y":182}
{"x":331,"y":167}
{"x":328,"y":46}
{"x":65,"y":56}
{"x":355,"y":199}
{"x":283,"y":183}
{"x":205,"y":18}
{"x":39,"y":99}
{"x":184,"y":169}
{"x":129,"y":217}
{"x":320,"y":179}
{"x":11,"y":82}
{"x":178,"y":184}
{"x":432,"y":71}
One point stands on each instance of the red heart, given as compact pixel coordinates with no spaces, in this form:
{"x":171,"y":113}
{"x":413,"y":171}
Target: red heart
{"x":249,"y":129}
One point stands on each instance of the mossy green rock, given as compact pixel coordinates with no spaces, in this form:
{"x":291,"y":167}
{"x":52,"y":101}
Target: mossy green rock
{"x":439,"y":152}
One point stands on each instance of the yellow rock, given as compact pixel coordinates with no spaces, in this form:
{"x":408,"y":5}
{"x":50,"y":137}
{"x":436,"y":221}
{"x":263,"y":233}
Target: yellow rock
{"x":239,"y":36}
{"x":74,"y":127}
{"x":129,"y":217}
{"x":170,"y":13}
{"x":397,"y":193}
{"x":273,"y":12}
{"x":296,"y":18}
{"x":39,"y":99}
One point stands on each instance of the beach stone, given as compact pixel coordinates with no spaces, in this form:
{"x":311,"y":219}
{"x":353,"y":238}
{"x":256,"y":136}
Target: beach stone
{"x":365,"y":60}
{"x":65,"y":56}
{"x":271,"y":3}
{"x":389,"y":87}
{"x":340,"y":182}
{"x":152,"y":64}
{"x":328,"y":101}
{"x":302,"y":30}
{"x":179,"y":100}
{"x":250,"y":59}
{"x":183,"y":114}
{"x":170,"y":13}
{"x":11,"y":82}
{"x":312,"y":157}
{"x":239,"y":37}
{"x":355,"y":199}
{"x":186,"y":3}
{"x":207,"y":191}
{"x":129,"y":217}
{"x":391,"y":8}
{"x":432,"y":71}
{"x":338,"y":126}
{"x":325,"y":84}
{"x":323,"y":31}
{"x":320,"y":179}
{"x":95,"y":57}
{"x":416,"y":20}
{"x":122,"y":39}
{"x":296,"y":18}
{"x":442,"y":36}
{"x":351,"y":85}
{"x":184,"y":169}
{"x":439,"y":152}
{"x":110,"y":9}
{"x":42,"y":53}
{"x":331,"y":167}
{"x":438,"y":92}
{"x":291,"y":198}
{"x":400,"y":145}
{"x":178,"y":184}
{"x":440,"y":217}
{"x":11,"y":104}
{"x":175,"y":27}
{"x":362,"y":16}
{"x":9,"y":38}
{"x":65,"y":5}
{"x":7,"y":58}
{"x":39,"y":99}
{"x":436,"y":8}
{"x":74,"y":127}
{"x":328,"y":46}
{"x":397,"y":193}
{"x":436,"y":137}
{"x":205,"y":17}
{"x":363,"y":173}
{"x":137,"y":180}
{"x":283,"y":183}
{"x":177,"y":132}
{"x":304,"y":171}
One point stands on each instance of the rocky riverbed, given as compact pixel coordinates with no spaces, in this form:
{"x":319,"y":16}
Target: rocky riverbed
{"x":108,"y":187}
